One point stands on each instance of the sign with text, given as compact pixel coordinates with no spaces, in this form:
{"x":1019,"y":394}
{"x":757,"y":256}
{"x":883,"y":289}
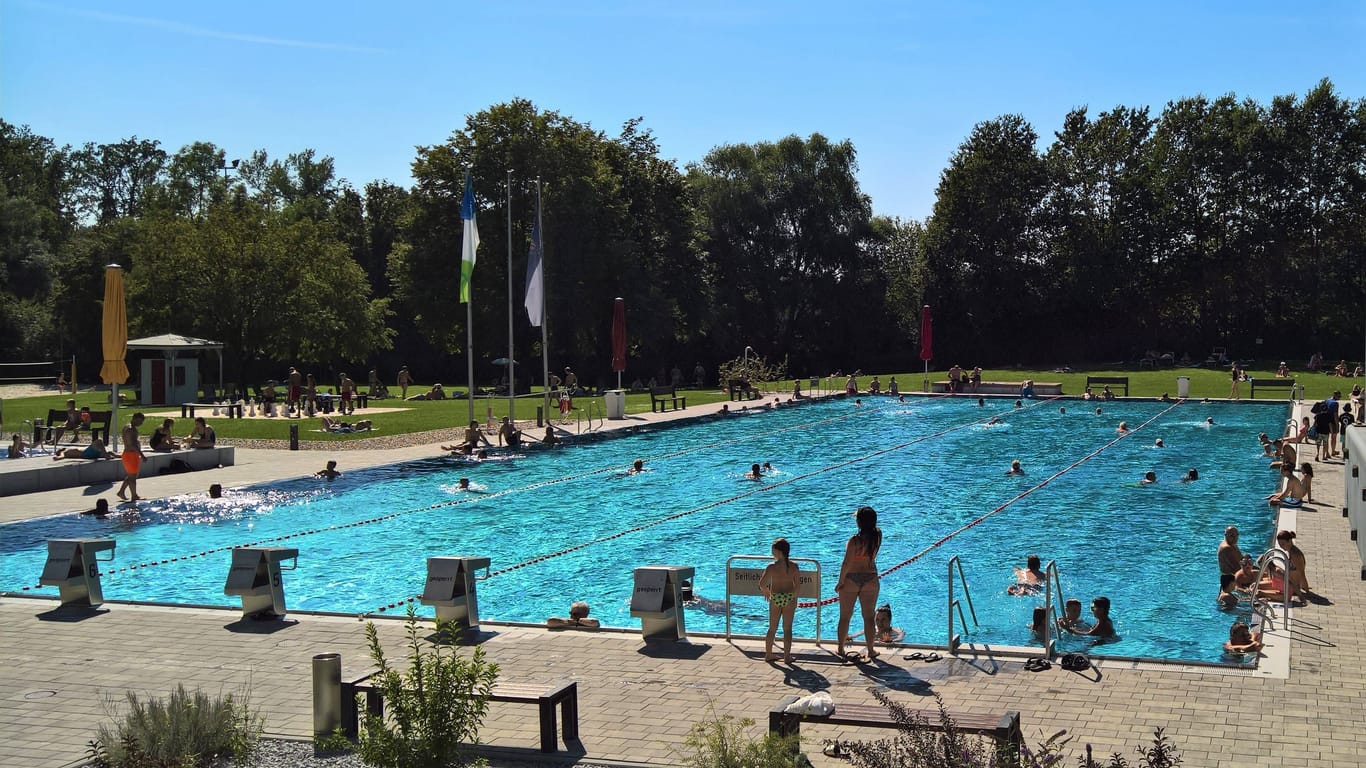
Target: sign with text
{"x":745,"y":581}
{"x":443,"y":574}
{"x":649,"y":592}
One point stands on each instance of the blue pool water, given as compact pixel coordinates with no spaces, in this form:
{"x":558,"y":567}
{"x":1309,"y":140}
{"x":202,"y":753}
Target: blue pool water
{"x":929,"y":466}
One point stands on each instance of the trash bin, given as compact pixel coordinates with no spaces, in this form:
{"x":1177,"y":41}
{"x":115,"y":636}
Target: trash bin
{"x":73,"y":568}
{"x":1183,"y":386}
{"x":616,"y":403}
{"x":658,"y":601}
{"x":255,"y":577}
{"x":327,"y":703}
{"x":451,"y":588}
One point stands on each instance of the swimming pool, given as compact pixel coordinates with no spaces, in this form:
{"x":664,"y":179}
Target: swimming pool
{"x":929,"y":466}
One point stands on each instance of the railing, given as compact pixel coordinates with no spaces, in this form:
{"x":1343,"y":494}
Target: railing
{"x":579,"y":414}
{"x":744,"y":581}
{"x":1278,"y":558}
{"x":1051,"y":582}
{"x":954,"y":640}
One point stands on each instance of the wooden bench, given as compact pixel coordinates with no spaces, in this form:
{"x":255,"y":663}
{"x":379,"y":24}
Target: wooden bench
{"x":740,"y":389}
{"x":661,"y":395}
{"x":1271,"y":384}
{"x":232,"y":410}
{"x":1105,"y":381}
{"x":56,"y":419}
{"x":1005,"y":729}
{"x":545,"y":697}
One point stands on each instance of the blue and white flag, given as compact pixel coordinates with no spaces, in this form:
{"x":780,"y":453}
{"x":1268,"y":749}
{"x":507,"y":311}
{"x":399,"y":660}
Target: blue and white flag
{"x":471,"y":240}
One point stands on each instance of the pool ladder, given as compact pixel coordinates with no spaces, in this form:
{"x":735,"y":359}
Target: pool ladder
{"x":1051,"y":584}
{"x":954,"y":639}
{"x":1280,"y":559}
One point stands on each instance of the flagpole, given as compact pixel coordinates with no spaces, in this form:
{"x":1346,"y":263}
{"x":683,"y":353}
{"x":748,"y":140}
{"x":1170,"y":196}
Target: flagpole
{"x":545,"y":344}
{"x":468,"y":249}
{"x":512,"y":360}
{"x":469,"y":352}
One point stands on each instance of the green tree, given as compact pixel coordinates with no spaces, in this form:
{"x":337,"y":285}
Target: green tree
{"x":984,"y":245}
{"x":114,"y":180}
{"x":270,"y":286}
{"x":784,"y":226}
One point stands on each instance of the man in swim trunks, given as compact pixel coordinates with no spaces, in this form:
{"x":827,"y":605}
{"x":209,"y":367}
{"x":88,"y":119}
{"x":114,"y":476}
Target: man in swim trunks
{"x":73,"y":422}
{"x":296,"y":387}
{"x":1230,"y":557}
{"x":132,"y":458}
{"x":509,"y":432}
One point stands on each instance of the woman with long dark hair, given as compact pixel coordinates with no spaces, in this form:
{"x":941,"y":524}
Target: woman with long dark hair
{"x":858,"y":580}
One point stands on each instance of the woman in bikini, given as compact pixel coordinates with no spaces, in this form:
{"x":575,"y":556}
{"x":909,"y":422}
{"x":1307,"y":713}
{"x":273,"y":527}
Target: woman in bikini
{"x":858,"y":580}
{"x":779,"y":585}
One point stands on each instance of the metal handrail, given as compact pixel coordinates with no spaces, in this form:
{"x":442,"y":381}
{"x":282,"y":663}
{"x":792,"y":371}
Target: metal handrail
{"x":954,"y":640}
{"x":1051,"y":580}
{"x":1280,"y":558}
{"x":816,"y":591}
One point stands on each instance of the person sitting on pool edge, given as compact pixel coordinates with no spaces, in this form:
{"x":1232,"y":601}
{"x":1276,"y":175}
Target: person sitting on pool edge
{"x":1104,"y":628}
{"x":1242,"y":640}
{"x":1015,"y":468}
{"x":95,"y":450}
{"x":509,"y":432}
{"x":328,"y":472}
{"x":578,"y":617}
{"x":1028,"y":580}
{"x":1291,"y":491}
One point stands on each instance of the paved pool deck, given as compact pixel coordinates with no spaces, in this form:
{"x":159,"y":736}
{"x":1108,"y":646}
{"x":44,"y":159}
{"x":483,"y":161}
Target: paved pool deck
{"x":637,"y":700}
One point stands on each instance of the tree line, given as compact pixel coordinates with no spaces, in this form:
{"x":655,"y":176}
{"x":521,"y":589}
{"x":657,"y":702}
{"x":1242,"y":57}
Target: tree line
{"x":1216,"y":222}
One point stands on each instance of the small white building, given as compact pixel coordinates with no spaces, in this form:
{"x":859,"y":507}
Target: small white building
{"x":173,"y":377}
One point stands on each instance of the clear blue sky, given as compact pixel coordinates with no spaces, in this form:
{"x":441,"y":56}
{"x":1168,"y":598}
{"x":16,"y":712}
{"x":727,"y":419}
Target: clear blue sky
{"x":366,"y":82}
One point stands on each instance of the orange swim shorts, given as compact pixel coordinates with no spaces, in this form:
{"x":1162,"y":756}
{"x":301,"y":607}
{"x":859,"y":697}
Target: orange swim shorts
{"x":132,"y":462}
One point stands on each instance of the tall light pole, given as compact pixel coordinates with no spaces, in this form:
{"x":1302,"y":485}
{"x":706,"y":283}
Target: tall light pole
{"x":229,"y":167}
{"x":748,"y":350}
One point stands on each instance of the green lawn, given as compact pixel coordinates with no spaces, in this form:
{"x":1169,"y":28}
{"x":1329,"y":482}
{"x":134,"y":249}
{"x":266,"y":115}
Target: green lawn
{"x":418,"y":416}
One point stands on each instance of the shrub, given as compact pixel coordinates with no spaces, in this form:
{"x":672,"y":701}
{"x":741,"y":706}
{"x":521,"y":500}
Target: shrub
{"x":759,"y":369}
{"x":723,"y":742}
{"x":431,"y":708}
{"x":184,"y":729}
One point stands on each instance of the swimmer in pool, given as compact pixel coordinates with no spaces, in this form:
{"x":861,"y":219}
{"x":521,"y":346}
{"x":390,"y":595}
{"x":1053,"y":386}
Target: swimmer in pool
{"x":755,"y":472}
{"x":1015,"y":468}
{"x":464,"y":483}
{"x":768,"y":467}
{"x":1028,"y":580}
{"x":1149,"y":478}
{"x":993,"y":420}
{"x":328,"y":472}
{"x":636,"y":468}
{"x":1062,"y":409}
{"x":1071,"y":616}
{"x":1159,"y":444}
{"x":1209,"y":420}
{"x":1242,"y":640}
{"x":779,"y":585}
{"x":1191,"y":476}
{"x":1123,"y":428}
{"x":1104,"y":628}
{"x":578,"y":617}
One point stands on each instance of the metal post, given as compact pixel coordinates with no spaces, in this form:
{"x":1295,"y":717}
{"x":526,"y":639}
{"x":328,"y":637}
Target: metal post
{"x":293,"y":437}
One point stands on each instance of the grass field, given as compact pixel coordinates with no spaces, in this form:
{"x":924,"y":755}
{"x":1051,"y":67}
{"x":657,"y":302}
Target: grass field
{"x":419,"y":416}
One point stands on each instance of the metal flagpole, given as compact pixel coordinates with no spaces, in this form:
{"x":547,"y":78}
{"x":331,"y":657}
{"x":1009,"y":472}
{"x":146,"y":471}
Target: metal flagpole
{"x":512,"y":370}
{"x":469,"y":351}
{"x":545,"y":345}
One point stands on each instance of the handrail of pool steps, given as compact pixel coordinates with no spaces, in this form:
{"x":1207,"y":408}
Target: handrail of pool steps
{"x":967,"y":595}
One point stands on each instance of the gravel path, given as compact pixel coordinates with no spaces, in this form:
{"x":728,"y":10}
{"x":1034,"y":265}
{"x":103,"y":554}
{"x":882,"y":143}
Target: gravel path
{"x":378,"y":442}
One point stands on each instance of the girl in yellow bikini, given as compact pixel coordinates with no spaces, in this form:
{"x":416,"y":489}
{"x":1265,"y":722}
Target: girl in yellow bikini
{"x":779,"y":585}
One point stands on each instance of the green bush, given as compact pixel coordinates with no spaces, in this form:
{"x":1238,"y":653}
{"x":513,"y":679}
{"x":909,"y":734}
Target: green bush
{"x":183,"y":730}
{"x":723,"y":742}
{"x":432,"y":708}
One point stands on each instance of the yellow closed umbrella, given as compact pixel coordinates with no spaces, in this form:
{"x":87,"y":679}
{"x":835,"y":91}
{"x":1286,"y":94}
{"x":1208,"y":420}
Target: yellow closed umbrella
{"x":115,"y":336}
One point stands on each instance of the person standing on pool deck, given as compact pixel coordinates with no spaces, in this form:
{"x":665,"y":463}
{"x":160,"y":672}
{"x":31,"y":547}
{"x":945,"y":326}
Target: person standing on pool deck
{"x":132,"y":458}
{"x":779,"y":585}
{"x":858,"y":579}
{"x":1230,"y":557}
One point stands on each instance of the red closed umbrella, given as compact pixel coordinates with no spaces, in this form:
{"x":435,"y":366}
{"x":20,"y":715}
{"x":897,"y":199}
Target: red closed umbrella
{"x":619,"y":338}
